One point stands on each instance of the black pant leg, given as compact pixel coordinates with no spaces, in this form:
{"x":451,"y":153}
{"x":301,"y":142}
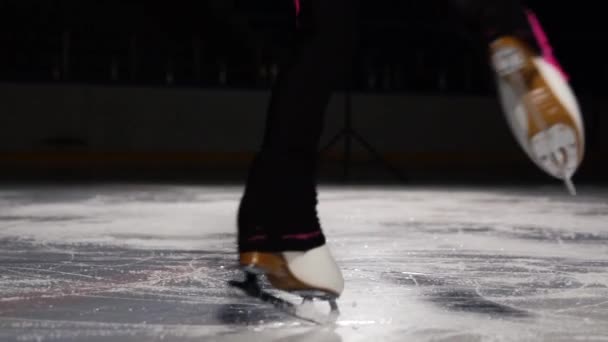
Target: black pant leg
{"x":278,"y":208}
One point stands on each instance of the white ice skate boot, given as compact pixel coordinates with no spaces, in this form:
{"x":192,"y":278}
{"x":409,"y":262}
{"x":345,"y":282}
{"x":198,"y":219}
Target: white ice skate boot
{"x":310,"y":274}
{"x":540,"y":106}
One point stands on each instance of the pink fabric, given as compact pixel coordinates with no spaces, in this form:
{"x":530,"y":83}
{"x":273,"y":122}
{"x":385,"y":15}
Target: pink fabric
{"x":302,"y":236}
{"x":543,"y":41}
{"x":298,"y":6}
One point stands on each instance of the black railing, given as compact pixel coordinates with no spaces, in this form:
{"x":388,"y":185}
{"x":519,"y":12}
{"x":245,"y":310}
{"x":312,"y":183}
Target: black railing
{"x":405,"y":45}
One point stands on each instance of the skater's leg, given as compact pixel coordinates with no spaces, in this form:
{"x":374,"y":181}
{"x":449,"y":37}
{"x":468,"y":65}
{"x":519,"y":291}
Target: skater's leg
{"x":280,"y":199}
{"x":278,"y":221}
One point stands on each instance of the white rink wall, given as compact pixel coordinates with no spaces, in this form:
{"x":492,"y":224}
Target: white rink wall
{"x":232,"y":120}
{"x":434,"y":131}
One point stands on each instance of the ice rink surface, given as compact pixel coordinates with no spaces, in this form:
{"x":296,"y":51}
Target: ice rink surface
{"x":118,"y":262}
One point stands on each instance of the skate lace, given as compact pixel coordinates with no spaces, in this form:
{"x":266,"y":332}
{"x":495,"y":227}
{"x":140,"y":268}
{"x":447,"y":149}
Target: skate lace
{"x":543,"y":42}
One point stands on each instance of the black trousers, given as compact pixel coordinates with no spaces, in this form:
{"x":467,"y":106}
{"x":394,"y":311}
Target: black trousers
{"x":278,"y":208}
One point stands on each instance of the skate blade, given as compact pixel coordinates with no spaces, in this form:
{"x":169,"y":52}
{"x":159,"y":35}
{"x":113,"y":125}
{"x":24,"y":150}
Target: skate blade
{"x":305,"y":311}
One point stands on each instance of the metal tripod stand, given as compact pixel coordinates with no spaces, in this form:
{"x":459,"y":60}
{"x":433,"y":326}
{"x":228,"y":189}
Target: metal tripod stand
{"x":349,"y":134}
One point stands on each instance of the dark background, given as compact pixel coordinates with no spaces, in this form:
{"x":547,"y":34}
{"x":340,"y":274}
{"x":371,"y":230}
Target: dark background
{"x":77,"y":77}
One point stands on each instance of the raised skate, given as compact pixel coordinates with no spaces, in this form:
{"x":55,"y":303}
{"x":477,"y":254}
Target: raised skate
{"x":312,"y":274}
{"x":540,"y":106}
